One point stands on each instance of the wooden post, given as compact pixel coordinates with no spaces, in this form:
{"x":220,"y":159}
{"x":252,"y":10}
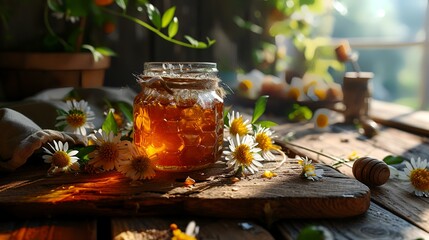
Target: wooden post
{"x":356,"y":95}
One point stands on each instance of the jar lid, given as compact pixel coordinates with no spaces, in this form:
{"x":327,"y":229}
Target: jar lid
{"x":179,"y":67}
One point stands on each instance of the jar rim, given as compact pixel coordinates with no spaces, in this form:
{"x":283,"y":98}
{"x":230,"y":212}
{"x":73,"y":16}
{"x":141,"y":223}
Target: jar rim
{"x":181,"y":67}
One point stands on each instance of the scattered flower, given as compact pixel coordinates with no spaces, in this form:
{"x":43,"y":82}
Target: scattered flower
{"x":416,"y":176}
{"x":189,"y":181}
{"x":60,"y":158}
{"x":249,"y":85}
{"x":235,"y":179}
{"x":77,"y":117}
{"x":318,"y":92}
{"x":295,"y":90}
{"x":309,"y":171}
{"x":236,"y":125}
{"x":353,"y":156}
{"x":268,"y":174}
{"x":190,"y":233}
{"x":322,"y":119}
{"x":243,"y":154}
{"x":140,"y":166}
{"x":110,"y":150}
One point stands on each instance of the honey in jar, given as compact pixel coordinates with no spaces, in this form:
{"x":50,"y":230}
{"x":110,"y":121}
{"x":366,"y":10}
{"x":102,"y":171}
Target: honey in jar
{"x":178,"y":115}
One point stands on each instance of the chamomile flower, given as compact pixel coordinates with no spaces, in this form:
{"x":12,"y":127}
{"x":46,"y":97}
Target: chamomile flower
{"x":60,"y":158}
{"x":243,"y":154}
{"x":416,"y":176}
{"x":250,"y":84}
{"x":309,"y":171}
{"x":190,"y":233}
{"x":237,"y":125}
{"x":318,"y":92}
{"x":295,"y":91}
{"x":77,"y":117}
{"x":263,"y":136}
{"x":322,"y":119}
{"x":110,"y":150}
{"x":139,"y":166}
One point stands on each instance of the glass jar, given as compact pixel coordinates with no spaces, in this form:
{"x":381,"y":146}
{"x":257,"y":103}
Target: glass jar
{"x":178,"y":115}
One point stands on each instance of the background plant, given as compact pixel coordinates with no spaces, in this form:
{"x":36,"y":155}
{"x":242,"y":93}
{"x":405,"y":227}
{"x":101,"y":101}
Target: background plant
{"x":82,"y":25}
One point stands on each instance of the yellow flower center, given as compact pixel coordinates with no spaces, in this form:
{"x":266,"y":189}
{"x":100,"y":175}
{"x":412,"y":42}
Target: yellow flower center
{"x":294,"y":93}
{"x":141,"y":164}
{"x":420,"y":179}
{"x":322,"y":121}
{"x":264,"y":142}
{"x":243,"y":155}
{"x":309,"y":169}
{"x":76,"y":118}
{"x":245,"y":85}
{"x":61,"y":159}
{"x":238,"y":127}
{"x":320,"y":94}
{"x":108,"y":152}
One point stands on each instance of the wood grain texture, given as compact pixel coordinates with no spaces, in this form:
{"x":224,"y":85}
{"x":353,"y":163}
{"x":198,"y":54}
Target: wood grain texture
{"x":110,"y":194}
{"x":376,"y":223}
{"x":159,"y":228}
{"x":400,"y":117}
{"x":342,"y":140}
{"x":49,"y":229}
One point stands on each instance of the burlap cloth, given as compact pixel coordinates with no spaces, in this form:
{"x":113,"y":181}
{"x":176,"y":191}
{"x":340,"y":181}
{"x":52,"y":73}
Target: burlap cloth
{"x":27,"y":125}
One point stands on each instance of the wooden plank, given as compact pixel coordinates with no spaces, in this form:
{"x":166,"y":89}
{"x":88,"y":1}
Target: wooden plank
{"x":342,"y":140}
{"x":400,"y":117}
{"x":110,"y":194}
{"x":159,"y":228}
{"x":376,"y":223}
{"x":49,"y":229}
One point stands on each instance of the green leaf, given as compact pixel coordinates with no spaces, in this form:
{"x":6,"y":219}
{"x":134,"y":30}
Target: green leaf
{"x":191,"y":40}
{"x":105,"y":51}
{"x":122,"y":4}
{"x":311,"y":233}
{"x":225,"y":115}
{"x":260,"y":106}
{"x":84,"y":151}
{"x":126,"y":109}
{"x":306,"y":2}
{"x":110,"y":125}
{"x":173,"y":27}
{"x":281,"y":28}
{"x":78,"y":8}
{"x":154,"y":15}
{"x":54,"y":6}
{"x":202,"y":45}
{"x":390,"y":159}
{"x":300,"y":113}
{"x":248,"y":25}
{"x":168,"y":16}
{"x":267,"y":124}
{"x":210,"y":41}
{"x":95,"y":54}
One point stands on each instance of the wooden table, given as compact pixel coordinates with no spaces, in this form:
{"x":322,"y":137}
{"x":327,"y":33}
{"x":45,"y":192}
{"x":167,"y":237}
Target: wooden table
{"x":129,"y":212}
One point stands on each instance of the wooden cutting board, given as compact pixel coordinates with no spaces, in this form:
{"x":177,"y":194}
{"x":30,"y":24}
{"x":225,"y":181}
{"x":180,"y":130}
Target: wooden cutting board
{"x":29,"y":192}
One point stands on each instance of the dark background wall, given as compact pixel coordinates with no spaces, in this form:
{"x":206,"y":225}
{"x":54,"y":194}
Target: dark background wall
{"x":135,"y":45}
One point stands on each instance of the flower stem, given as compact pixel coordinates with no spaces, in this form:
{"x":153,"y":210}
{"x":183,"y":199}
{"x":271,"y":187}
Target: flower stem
{"x":338,"y":160}
{"x":79,"y":40}
{"x":151,"y":28}
{"x":48,"y":26}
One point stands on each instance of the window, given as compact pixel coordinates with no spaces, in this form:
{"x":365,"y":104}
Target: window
{"x":389,"y":36}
